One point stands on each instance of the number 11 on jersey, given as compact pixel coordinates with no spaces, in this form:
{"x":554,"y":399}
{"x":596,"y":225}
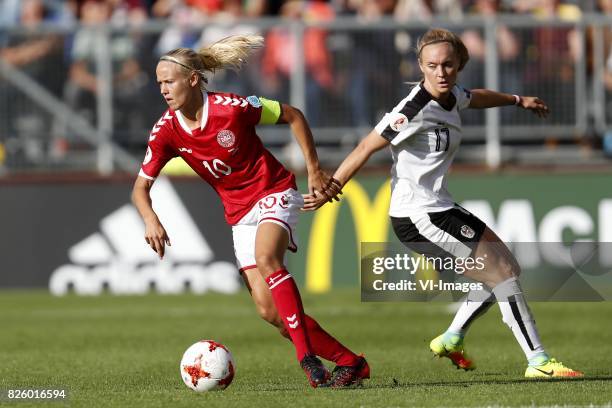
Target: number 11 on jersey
{"x":217,"y":167}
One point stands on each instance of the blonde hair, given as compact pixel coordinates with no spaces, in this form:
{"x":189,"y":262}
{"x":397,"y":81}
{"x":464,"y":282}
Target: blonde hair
{"x":228,"y":53}
{"x":439,"y":35}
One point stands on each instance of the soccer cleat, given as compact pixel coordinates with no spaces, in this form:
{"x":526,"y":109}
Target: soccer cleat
{"x":454,"y":351}
{"x":316,"y":372}
{"x":552,"y":369}
{"x":347,"y":376}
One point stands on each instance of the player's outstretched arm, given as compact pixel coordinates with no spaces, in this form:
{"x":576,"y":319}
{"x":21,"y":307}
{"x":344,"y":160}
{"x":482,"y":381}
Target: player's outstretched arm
{"x":485,"y":98}
{"x":372,"y":143}
{"x":155,"y":233}
{"x":319,"y":183}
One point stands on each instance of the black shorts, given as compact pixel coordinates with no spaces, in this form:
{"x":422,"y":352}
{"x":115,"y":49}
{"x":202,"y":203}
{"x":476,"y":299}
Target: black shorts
{"x":455,"y":232}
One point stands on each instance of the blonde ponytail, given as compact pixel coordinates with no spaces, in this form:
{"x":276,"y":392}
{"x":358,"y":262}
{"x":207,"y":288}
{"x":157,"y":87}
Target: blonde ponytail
{"x":228,"y":53}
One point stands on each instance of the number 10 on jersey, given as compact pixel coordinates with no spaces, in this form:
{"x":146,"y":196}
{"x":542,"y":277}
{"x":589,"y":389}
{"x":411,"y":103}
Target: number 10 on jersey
{"x":217,"y":168}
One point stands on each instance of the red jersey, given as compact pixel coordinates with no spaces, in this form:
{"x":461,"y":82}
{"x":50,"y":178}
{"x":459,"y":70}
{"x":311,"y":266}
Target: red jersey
{"x":226,"y":152}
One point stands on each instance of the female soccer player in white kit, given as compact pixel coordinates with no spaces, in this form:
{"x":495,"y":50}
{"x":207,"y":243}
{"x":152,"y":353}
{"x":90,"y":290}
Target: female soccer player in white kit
{"x":424,"y":133}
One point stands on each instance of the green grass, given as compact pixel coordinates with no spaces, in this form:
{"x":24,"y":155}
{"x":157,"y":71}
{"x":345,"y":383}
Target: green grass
{"x":124,"y":352}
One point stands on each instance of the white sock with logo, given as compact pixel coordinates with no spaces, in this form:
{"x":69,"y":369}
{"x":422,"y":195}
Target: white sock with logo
{"x":475,"y":304}
{"x":518,"y":317}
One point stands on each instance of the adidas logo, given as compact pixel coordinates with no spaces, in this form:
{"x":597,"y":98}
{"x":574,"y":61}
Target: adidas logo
{"x":118,"y":259}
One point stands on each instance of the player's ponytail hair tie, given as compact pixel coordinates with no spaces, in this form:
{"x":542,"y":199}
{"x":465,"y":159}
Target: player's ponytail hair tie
{"x":228,"y":53}
{"x":440,"y":35}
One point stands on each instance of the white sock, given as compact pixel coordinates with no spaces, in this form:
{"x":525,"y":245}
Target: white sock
{"x":518,"y":317}
{"x":476,"y":303}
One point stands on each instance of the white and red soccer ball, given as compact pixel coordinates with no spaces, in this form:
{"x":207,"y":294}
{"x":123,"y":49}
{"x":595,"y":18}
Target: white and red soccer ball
{"x":207,"y":366}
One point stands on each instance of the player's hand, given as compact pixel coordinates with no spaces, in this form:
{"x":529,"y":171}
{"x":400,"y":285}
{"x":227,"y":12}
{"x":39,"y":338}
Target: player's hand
{"x":534,"y":104}
{"x":156,"y":237}
{"x":320,"y":184}
{"x":312,"y":202}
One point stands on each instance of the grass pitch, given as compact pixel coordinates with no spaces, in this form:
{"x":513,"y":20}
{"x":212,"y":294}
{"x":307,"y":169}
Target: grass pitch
{"x":124,"y":352}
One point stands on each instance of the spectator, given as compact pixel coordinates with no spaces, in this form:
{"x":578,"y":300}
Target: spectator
{"x":260,"y":8}
{"x":31,"y":51}
{"x":229,"y":80}
{"x":508,"y":50}
{"x":131,"y":15}
{"x":605,"y":7}
{"x":280,"y":54}
{"x":39,"y":56}
{"x":182,"y":17}
{"x":128,"y":79}
{"x":206,"y":7}
{"x":407,"y":10}
{"x":551,"y":61}
{"x":128,"y":12}
{"x":368,"y":85}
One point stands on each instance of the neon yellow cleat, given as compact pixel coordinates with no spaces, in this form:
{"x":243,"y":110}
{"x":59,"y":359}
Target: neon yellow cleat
{"x":453,"y":349}
{"x":552,"y":369}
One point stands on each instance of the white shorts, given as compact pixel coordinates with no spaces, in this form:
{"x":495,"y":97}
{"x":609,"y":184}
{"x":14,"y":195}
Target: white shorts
{"x":280,"y":208}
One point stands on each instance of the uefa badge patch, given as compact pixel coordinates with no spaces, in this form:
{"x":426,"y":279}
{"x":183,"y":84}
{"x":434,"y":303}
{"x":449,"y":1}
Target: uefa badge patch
{"x":254,"y":101}
{"x":226,"y":138}
{"x":398,"y":121}
{"x":467,"y":232}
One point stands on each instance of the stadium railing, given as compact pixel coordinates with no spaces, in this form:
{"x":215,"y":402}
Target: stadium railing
{"x":343,"y":73}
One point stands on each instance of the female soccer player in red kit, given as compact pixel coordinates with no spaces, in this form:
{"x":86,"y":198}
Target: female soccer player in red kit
{"x":215,"y":135}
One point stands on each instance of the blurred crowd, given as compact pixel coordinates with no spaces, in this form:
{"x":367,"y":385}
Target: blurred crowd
{"x":135,"y":11}
{"x":358,"y":73}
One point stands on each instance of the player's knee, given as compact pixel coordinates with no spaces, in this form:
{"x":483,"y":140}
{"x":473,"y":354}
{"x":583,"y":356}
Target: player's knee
{"x":267,"y":263}
{"x":510,"y":268}
{"x":503,"y":269}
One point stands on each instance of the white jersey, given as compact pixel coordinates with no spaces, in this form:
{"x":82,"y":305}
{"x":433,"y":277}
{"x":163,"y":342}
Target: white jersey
{"x":424,"y":137}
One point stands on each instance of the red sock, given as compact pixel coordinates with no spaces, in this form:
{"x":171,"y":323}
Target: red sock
{"x":324,"y":345}
{"x":289,"y":305}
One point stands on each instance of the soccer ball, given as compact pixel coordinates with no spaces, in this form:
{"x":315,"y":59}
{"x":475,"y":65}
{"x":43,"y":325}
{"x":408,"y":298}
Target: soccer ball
{"x":207,"y":366}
